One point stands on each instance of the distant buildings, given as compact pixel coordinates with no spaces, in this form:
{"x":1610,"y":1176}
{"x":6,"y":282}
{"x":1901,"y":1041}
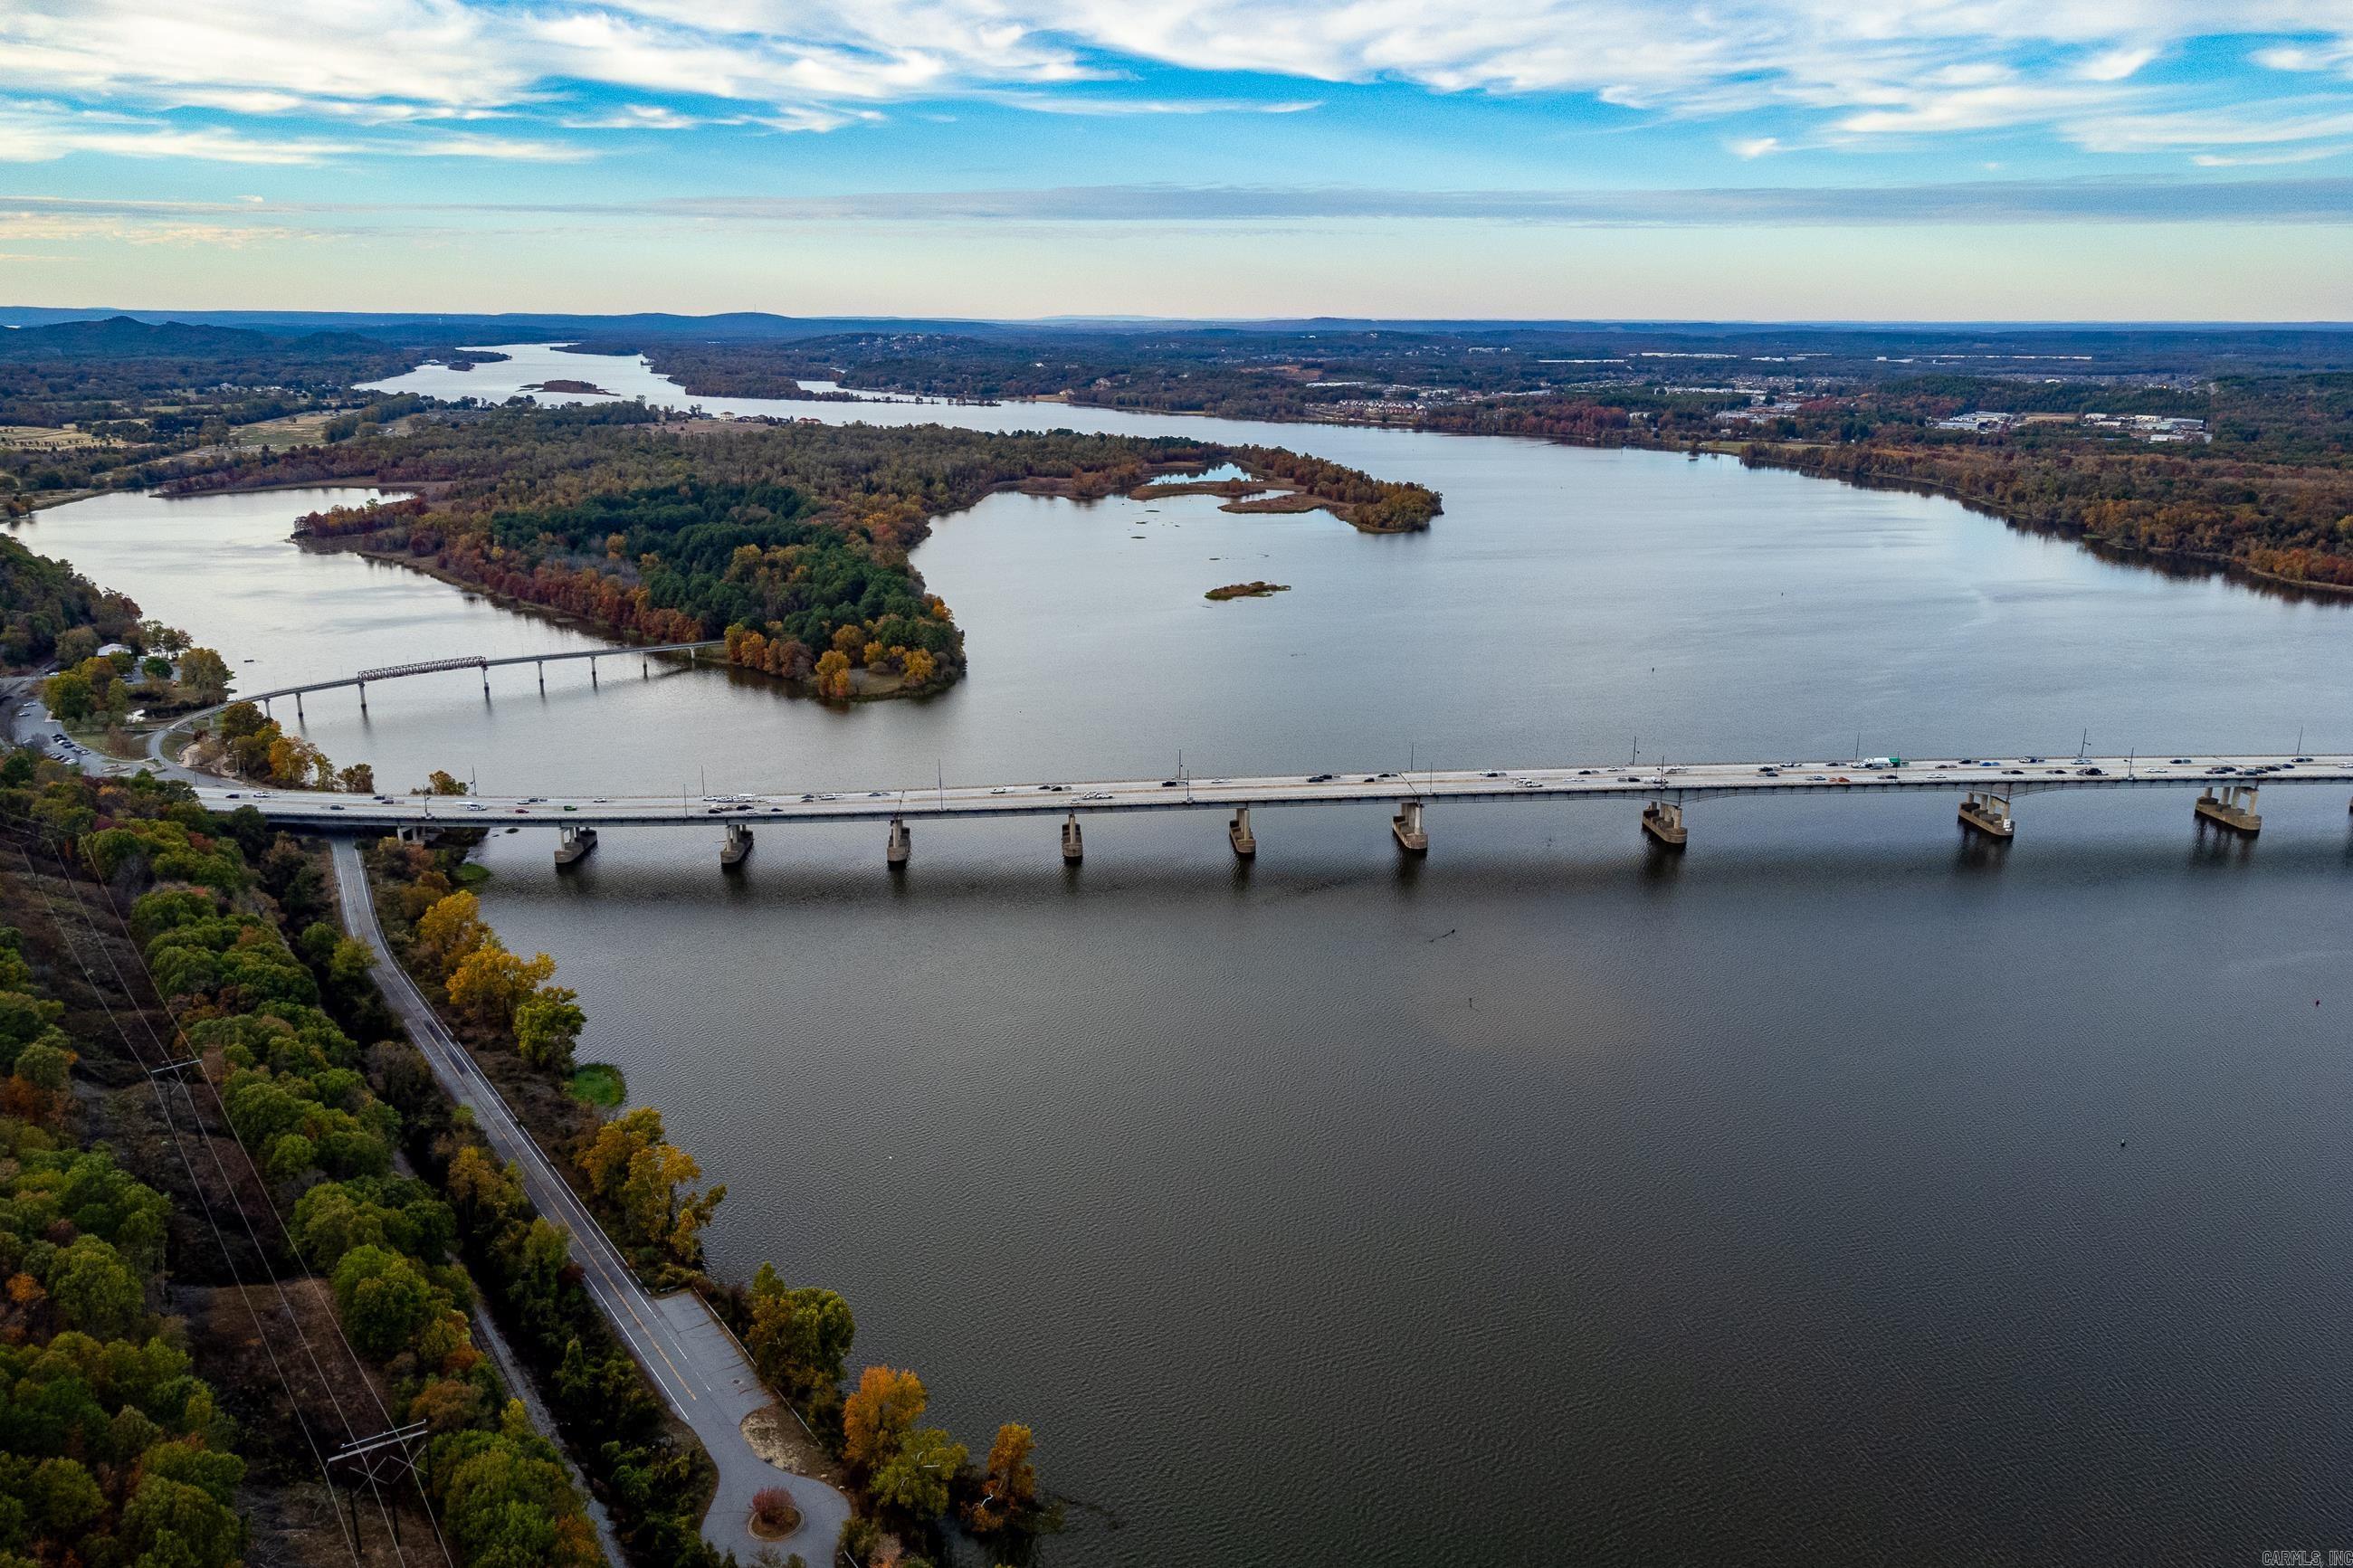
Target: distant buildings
{"x":1758,"y":414}
{"x":2145,"y":426}
{"x":2150,"y":426}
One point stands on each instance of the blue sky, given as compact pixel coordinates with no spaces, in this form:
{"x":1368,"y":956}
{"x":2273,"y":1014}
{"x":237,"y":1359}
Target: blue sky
{"x":1846,"y":158}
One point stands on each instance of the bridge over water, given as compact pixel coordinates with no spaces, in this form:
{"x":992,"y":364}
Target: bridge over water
{"x":2225,"y":790}
{"x":156,"y":742}
{"x":2228,"y":788}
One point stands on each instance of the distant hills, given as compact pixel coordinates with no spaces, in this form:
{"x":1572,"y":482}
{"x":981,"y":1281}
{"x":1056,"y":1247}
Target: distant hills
{"x":756,"y":325}
{"x":128,"y":337}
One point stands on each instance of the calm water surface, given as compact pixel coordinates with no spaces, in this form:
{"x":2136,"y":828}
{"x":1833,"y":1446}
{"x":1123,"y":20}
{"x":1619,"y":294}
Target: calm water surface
{"x":1838,"y":1194}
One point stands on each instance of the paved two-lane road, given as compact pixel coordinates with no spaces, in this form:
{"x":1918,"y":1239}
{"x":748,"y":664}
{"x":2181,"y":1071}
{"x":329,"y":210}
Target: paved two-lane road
{"x":692,"y":1359}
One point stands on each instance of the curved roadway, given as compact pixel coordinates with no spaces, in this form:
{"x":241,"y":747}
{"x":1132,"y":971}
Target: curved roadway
{"x":701,"y":1370}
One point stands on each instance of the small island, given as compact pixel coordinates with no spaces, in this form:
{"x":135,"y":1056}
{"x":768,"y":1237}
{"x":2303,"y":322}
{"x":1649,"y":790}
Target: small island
{"x":1247,"y":591}
{"x":582,"y":388}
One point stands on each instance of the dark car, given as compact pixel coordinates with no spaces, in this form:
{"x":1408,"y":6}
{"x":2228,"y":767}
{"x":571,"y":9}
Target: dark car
{"x":1321,"y":778}
{"x":2092,"y":772}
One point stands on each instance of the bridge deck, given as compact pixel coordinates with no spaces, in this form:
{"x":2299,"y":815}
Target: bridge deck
{"x":2001,"y":776}
{"x":470,"y":661}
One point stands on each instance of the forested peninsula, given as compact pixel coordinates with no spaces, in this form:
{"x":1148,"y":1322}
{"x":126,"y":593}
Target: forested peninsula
{"x":791,"y":540}
{"x":2033,"y":424}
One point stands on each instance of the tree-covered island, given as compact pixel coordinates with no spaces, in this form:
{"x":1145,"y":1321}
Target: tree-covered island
{"x":790,"y":540}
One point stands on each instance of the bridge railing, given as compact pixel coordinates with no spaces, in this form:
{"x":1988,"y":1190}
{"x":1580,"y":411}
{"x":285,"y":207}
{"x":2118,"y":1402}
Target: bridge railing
{"x":427,"y":666}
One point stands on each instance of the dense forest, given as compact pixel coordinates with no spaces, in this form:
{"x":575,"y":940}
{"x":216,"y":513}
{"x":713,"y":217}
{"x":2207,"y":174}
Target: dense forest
{"x":308,"y":1238}
{"x":113,"y":1447}
{"x":795,"y":537}
{"x":41,"y":598}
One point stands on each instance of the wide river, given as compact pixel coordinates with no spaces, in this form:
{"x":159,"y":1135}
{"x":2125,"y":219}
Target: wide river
{"x":1837,"y":1193}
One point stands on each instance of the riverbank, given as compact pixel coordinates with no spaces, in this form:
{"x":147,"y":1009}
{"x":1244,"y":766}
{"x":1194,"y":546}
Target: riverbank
{"x":1789,"y":457}
{"x":789,"y":1344}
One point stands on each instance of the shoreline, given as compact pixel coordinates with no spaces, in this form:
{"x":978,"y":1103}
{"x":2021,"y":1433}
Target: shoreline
{"x":425,"y":567}
{"x":2136,"y":557}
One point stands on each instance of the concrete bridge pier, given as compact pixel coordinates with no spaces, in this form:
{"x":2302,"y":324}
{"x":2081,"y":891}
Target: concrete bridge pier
{"x":297,"y":708}
{"x":575,"y":847}
{"x":363,"y":696}
{"x":486,"y":680}
{"x":2234,"y":806}
{"x":1407,"y":827}
{"x":737,"y":846}
{"x":901,"y":845}
{"x":1074,"y":848}
{"x":540,"y":665}
{"x":1663,"y":821}
{"x":1239,"y":834}
{"x":1988,"y":813}
{"x":592,"y":671}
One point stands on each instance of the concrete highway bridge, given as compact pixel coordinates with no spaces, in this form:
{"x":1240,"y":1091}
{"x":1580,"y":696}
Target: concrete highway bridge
{"x":2225,"y":791}
{"x":477,"y":662}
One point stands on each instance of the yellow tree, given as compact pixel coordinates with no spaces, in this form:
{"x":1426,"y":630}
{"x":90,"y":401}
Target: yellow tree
{"x":490,"y":982}
{"x":877,"y":1418}
{"x":833,"y":673}
{"x":606,"y":1161}
{"x":663,"y":1208}
{"x":920,"y":667}
{"x":205,"y":675}
{"x":450,"y":930}
{"x":295,"y":762}
{"x":1009,"y":1490}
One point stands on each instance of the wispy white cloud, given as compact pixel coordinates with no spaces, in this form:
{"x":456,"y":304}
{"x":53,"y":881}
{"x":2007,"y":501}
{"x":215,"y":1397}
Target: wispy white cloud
{"x":2302,"y":120}
{"x":2301,"y":201}
{"x":1864,"y":72}
{"x":1089,"y":104}
{"x":2116,"y":64}
{"x":2334,"y":54}
{"x":634,"y":117}
{"x":2260,"y":160}
{"x":41,"y":133}
{"x":2307,"y":201}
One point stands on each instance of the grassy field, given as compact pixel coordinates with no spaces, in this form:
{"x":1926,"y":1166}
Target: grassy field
{"x":47,"y":438}
{"x":293,"y":430}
